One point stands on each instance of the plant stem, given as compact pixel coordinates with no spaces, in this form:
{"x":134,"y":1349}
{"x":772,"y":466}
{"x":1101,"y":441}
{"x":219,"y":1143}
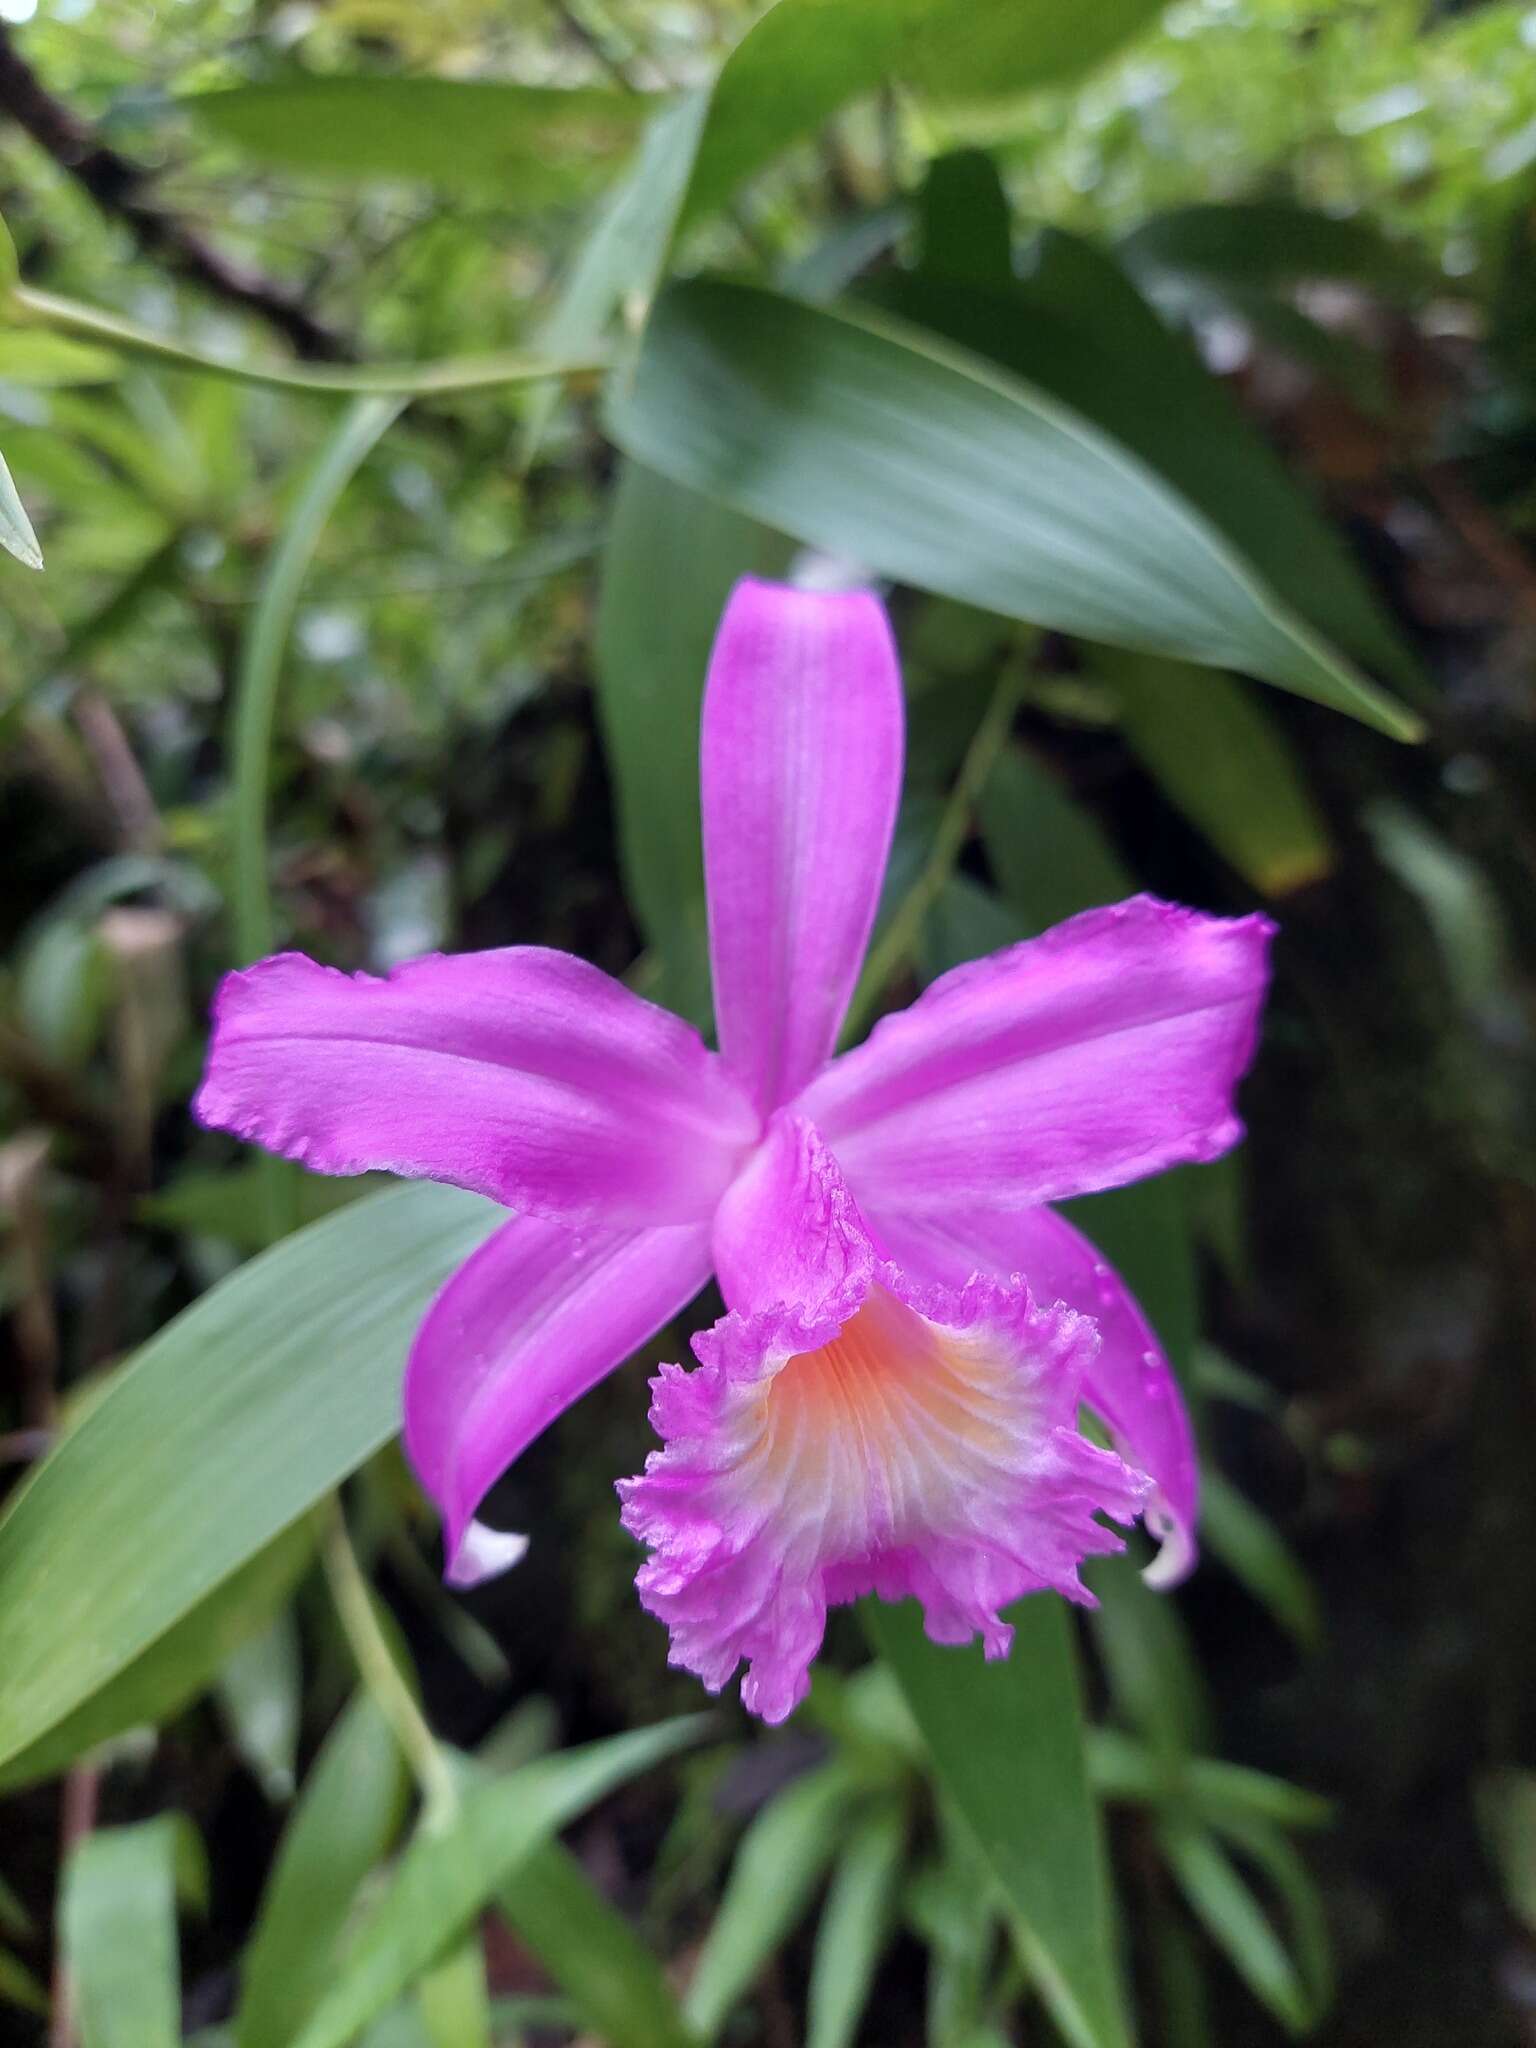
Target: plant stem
{"x":899,"y":940}
{"x":381,"y":1674}
{"x":450,"y":375}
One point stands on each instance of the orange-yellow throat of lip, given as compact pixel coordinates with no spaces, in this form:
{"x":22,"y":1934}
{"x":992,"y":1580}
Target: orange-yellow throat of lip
{"x":881,"y":1424}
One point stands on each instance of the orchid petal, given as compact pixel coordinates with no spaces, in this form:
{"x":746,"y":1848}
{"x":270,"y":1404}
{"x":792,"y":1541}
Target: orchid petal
{"x":524,"y":1074}
{"x":525,"y":1327}
{"x":1108,"y":1048}
{"x":860,"y":1433}
{"x":1130,"y":1385}
{"x":801,"y":755}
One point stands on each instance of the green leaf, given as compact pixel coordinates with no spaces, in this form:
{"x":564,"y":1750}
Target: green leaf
{"x":1456,"y":895}
{"x":18,"y":1986}
{"x":253,"y":726}
{"x":621,"y":257}
{"x":1007,"y":1745}
{"x":1049,"y":859}
{"x":1269,"y":1851}
{"x":804,"y":59}
{"x":1229,"y":1796}
{"x":965,"y":922}
{"x":1183,"y":1983}
{"x":671,"y":562}
{"x":342,"y":1827}
{"x":1078,"y":329}
{"x":1253,"y":1550}
{"x":156,"y":1684}
{"x":1222,"y":1902}
{"x":447,"y":1876}
{"x":28,"y":356}
{"x":925,"y":463}
{"x":526,"y":143}
{"x":117,"y":1931}
{"x":261,"y":1696}
{"x":616,"y":1985}
{"x":965,"y":224}
{"x":453,"y":2000}
{"x":1269,"y":242}
{"x":1505,"y":1804}
{"x":243,"y":1412}
{"x":776,"y":1869}
{"x":16,"y":535}
{"x":953,"y":1904}
{"x":14,"y":1917}
{"x":1221,"y":760}
{"x":64,"y":988}
{"x":856,"y":1925}
{"x":227,"y":1202}
{"x":1153,"y":1675}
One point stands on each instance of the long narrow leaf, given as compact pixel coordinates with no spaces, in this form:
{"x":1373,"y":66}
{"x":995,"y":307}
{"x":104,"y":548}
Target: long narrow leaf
{"x":803,"y":59}
{"x":779,"y":1864}
{"x":922,"y":461}
{"x":1007,"y":1745}
{"x":453,"y":1999}
{"x":231,"y":1423}
{"x":1254,"y":1551}
{"x":260,"y":1695}
{"x":1220,"y":1899}
{"x":176,"y":1667}
{"x":593,"y":1953}
{"x":341,"y":1829}
{"x":528,"y":143}
{"x":447,"y":1876}
{"x":16,"y":535}
{"x":855,"y":1927}
{"x":1077,"y":327}
{"x":1221,"y":760}
{"x":117,"y":1927}
{"x":619,"y":262}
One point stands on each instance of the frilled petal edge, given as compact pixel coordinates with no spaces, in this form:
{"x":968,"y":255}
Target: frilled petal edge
{"x":1129,"y":1385}
{"x":877,"y":1435}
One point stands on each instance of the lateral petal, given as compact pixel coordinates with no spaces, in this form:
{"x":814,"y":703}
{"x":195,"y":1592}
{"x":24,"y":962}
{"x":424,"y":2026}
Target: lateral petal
{"x":1108,"y":1048}
{"x":524,"y":1074}
{"x":527,"y":1325}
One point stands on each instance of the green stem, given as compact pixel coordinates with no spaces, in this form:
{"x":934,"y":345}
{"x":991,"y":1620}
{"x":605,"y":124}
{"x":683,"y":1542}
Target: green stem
{"x":261,"y":660}
{"x":452,"y":375}
{"x":255,"y":713}
{"x":381,"y":1674}
{"x":898,"y":941}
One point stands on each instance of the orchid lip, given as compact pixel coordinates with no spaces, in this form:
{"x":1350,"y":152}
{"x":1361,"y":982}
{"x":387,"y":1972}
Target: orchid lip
{"x":898,"y":1442}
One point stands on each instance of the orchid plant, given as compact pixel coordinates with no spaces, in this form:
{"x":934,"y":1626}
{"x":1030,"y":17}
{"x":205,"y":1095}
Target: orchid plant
{"x":890,"y":1403}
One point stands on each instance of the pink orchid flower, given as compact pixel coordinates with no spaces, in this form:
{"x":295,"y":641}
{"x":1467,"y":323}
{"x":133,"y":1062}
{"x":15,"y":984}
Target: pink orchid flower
{"x":891,"y":1402}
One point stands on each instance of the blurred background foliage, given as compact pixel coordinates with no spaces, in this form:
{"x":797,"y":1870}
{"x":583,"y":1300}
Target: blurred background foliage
{"x":374,"y":674}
